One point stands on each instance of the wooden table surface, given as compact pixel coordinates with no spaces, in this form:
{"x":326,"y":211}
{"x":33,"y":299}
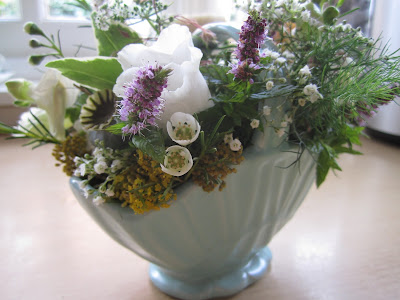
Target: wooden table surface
{"x":343,"y":243}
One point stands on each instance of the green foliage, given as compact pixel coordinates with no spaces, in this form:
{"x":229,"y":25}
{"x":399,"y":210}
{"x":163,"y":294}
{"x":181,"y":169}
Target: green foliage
{"x":99,"y":73}
{"x":111,"y":41}
{"x":116,"y":128}
{"x":151,"y":142}
{"x":39,"y":134}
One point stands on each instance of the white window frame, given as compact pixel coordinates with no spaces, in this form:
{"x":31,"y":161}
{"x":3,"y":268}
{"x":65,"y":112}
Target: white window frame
{"x":15,"y":40}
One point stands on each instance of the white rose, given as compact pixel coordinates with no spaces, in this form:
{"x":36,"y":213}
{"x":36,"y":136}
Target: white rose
{"x":187,"y":90}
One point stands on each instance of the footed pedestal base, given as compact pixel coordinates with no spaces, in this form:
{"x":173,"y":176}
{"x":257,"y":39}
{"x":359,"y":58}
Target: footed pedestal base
{"x":223,"y":285}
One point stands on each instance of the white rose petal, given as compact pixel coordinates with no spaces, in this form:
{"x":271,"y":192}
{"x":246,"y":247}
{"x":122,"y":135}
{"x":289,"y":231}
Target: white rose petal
{"x":187,"y":90}
{"x":178,"y":161}
{"x":54,"y":94}
{"x":183,"y":128}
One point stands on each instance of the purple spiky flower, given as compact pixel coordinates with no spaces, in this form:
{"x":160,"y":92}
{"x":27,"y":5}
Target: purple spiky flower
{"x":142,"y":104}
{"x":251,"y":37}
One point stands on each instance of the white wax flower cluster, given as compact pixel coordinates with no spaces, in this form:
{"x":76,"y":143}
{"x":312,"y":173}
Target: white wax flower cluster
{"x":183,"y":129}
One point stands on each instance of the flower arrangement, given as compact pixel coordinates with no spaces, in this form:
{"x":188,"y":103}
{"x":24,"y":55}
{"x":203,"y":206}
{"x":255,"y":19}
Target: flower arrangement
{"x":148,"y":114}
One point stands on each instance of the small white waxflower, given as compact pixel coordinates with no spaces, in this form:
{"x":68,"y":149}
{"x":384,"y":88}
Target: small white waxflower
{"x":272,"y":54}
{"x":98,"y":200}
{"x":310,"y":89}
{"x":183,"y":128}
{"x":269,"y":85}
{"x":302,"y":101}
{"x":254,"y":123}
{"x":288,"y":54}
{"x":266,"y":110}
{"x":347,"y":61}
{"x":280,"y":132}
{"x":178,"y":161}
{"x":279,"y":12}
{"x":228,"y":138}
{"x":100,"y":167}
{"x":116,"y":165}
{"x":235,"y":145}
{"x":305,"y":15}
{"x":98,"y":152}
{"x":80,"y":171}
{"x":82,"y":184}
{"x":280,"y":60}
{"x":284,"y":124}
{"x":305,"y":71}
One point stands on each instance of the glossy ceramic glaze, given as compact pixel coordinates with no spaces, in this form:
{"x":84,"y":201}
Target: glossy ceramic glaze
{"x":208,"y":240}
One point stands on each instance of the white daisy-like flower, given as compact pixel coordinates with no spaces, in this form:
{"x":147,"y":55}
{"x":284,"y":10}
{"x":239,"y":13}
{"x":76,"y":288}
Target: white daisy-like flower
{"x":100,"y":167}
{"x":269,"y":85}
{"x":266,"y":110}
{"x":254,"y":123}
{"x":183,"y":128}
{"x":178,"y":161}
{"x":235,"y":145}
{"x":310,"y":89}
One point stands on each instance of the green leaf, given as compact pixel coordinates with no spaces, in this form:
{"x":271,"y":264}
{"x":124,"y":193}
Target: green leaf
{"x":329,"y":15}
{"x":340,"y":3}
{"x":116,"y":128}
{"x":151,"y":143}
{"x":22,"y":103}
{"x":322,"y":167}
{"x":97,"y":72}
{"x":5,"y":129}
{"x":72,"y":113}
{"x":111,"y":41}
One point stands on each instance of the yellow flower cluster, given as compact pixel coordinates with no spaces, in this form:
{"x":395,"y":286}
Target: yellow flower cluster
{"x":144,"y":186}
{"x":65,"y":152}
{"x":214,"y":167}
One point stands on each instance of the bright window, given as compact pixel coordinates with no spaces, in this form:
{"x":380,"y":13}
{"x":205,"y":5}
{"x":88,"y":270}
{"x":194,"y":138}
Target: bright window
{"x":63,"y":9}
{"x":9,"y":10}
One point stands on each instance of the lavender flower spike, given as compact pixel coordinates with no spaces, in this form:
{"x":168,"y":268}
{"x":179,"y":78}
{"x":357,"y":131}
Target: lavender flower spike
{"x":141,"y":104}
{"x":252,"y":36}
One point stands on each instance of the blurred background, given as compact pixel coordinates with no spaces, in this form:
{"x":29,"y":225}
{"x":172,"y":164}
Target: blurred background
{"x":377,"y":21}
